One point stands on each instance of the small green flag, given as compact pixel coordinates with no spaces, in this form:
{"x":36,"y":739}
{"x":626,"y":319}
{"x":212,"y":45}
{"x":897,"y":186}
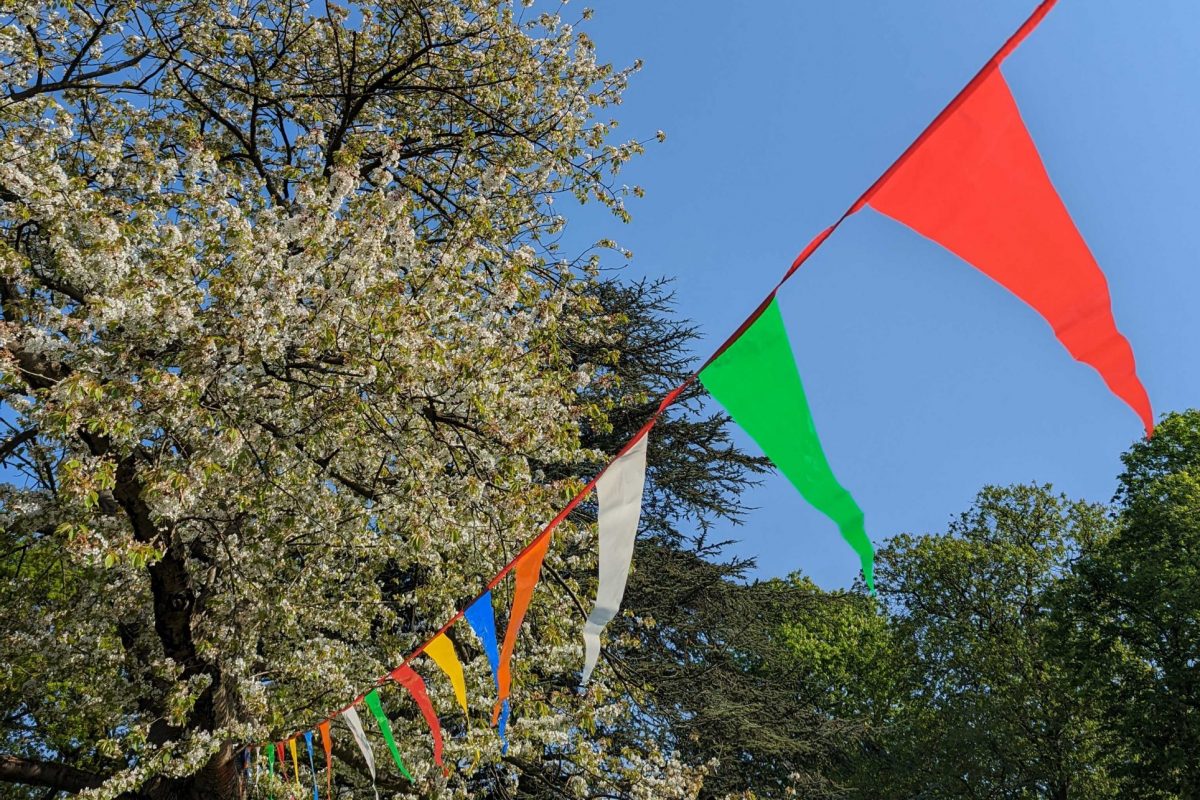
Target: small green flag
{"x":372,"y":700}
{"x":757,"y":382}
{"x":271,"y":766}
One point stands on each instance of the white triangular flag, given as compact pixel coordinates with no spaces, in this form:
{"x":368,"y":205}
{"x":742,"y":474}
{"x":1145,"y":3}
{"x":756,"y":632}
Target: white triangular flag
{"x":619,"y":495}
{"x":350,"y":717}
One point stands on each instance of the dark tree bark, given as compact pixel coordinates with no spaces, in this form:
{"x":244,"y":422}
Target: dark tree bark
{"x":47,"y":774}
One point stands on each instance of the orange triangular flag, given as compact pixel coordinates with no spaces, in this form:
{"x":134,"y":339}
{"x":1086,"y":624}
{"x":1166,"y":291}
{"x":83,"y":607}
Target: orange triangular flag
{"x":327,"y":745}
{"x":527,"y":571}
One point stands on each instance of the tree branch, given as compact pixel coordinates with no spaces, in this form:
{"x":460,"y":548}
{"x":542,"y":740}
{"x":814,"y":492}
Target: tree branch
{"x":79,"y":82}
{"x":10,"y":446}
{"x":61,"y":777}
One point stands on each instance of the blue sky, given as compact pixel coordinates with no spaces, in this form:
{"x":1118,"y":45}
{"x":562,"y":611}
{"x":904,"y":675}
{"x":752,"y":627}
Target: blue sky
{"x":927,"y":380}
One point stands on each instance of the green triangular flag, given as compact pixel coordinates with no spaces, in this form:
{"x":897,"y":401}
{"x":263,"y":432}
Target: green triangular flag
{"x":372,"y":699}
{"x":271,"y":766}
{"x":757,"y":382}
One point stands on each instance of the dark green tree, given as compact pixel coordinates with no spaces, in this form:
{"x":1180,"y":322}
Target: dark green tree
{"x":695,"y":474}
{"x":726,"y":682}
{"x":715,"y":675}
{"x":1131,"y":614}
{"x":981,"y":705}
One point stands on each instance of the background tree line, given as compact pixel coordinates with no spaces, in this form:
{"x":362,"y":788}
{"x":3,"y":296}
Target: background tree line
{"x":1039,"y":647}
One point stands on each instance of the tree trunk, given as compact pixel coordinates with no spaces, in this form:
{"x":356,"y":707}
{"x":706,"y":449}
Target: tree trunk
{"x":216,"y":780}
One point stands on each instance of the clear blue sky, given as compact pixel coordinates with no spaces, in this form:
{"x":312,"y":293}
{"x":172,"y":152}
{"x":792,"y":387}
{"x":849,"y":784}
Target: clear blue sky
{"x":927,"y":380}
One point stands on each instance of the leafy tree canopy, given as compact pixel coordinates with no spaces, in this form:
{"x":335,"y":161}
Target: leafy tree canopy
{"x":285,"y":356}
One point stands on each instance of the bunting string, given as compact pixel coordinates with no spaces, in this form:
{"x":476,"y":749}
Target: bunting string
{"x":973,"y":182}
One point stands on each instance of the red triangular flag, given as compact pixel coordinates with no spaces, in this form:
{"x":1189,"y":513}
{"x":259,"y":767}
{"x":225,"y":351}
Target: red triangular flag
{"x":410,"y":680}
{"x":976,"y":185}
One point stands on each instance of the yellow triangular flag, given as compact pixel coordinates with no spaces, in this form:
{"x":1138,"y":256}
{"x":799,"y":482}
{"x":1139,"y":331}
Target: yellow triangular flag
{"x":441,"y":650}
{"x":295,"y":761}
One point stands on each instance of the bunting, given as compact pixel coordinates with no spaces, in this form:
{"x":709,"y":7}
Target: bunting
{"x":411,"y":681}
{"x":972,"y":182}
{"x":350,"y":717}
{"x":441,"y":650}
{"x":482,"y":618}
{"x":527,"y":571}
{"x":619,"y":496}
{"x":385,"y":727}
{"x":756,"y":380}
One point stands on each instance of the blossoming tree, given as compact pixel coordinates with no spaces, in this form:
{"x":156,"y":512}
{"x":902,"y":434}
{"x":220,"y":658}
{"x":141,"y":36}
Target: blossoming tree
{"x":282,"y":361}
